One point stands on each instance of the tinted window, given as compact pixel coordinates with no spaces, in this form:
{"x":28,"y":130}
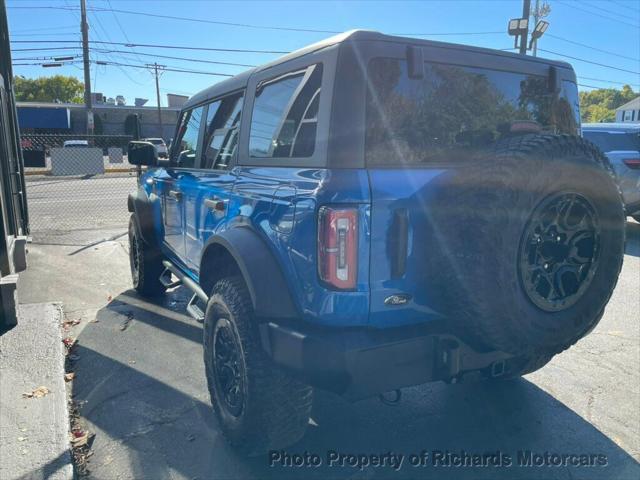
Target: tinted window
{"x":187,"y":138}
{"x":454,"y":112}
{"x":221,"y":137}
{"x":285,"y":115}
{"x":611,"y":141}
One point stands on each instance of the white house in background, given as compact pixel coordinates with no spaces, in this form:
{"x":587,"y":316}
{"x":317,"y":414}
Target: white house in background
{"x":629,"y":112}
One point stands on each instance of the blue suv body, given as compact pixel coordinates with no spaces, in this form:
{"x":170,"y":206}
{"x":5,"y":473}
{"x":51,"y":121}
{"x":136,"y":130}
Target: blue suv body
{"x":321,"y":183}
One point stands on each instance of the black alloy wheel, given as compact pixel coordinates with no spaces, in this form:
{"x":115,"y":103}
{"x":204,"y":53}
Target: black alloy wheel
{"x":559,"y":251}
{"x":229,"y":367}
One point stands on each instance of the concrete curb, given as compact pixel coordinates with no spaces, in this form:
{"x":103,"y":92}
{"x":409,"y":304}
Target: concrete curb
{"x":34,"y":432}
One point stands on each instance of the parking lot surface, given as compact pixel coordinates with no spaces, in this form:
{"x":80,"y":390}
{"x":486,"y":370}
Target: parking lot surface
{"x":141,"y":388}
{"x":78,"y":210}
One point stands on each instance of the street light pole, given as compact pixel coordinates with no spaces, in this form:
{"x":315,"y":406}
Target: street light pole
{"x":84,"y":28}
{"x":526,"y":11}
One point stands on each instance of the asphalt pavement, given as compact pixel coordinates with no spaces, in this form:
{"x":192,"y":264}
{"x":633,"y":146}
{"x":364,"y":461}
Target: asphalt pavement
{"x":78,"y":210}
{"x":141,"y":389}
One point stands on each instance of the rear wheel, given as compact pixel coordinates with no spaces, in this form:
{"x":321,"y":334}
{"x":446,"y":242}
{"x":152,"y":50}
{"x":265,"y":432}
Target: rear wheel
{"x":258,"y":406}
{"x":145,"y":262}
{"x":528,"y":245}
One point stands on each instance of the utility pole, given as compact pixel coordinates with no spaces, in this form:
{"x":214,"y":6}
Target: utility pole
{"x":155,"y":69}
{"x":84,"y":28}
{"x":526,"y":11}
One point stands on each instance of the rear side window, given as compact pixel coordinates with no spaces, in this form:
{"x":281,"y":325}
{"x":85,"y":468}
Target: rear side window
{"x":285,"y":115}
{"x":221,"y":136}
{"x":612,"y":141}
{"x":455,"y":112}
{"x":187,"y":138}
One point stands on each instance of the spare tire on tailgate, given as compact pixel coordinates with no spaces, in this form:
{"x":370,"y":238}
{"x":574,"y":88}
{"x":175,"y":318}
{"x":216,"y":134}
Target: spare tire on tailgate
{"x":526,"y":244}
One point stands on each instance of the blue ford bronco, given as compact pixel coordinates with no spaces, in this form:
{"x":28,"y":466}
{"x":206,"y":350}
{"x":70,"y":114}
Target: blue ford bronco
{"x":373,"y":212}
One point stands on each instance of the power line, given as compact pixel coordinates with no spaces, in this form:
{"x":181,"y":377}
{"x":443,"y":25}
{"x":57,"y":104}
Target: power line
{"x":279,"y":28}
{"x":124,"y":32}
{"x":216,"y":22}
{"x":249,"y":25}
{"x":625,"y":6}
{"x":589,"y":86}
{"x":186,"y":59}
{"x":591,"y":47}
{"x":166,"y":69}
{"x":126,"y":74}
{"x":608,"y":81}
{"x":589,"y":61}
{"x":43,"y":49}
{"x":599,"y":15}
{"x":606,"y":11}
{"x":62,"y":27}
{"x":149,"y":45}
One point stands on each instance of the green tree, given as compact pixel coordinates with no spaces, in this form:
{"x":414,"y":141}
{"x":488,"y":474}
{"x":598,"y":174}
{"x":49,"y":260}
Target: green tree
{"x":59,"y":88}
{"x":600,"y":105}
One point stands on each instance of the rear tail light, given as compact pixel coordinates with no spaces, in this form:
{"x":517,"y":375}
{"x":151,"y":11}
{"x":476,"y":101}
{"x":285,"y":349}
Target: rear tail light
{"x":632,"y":162}
{"x":337,"y":246}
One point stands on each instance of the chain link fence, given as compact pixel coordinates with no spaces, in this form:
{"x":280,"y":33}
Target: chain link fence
{"x":77,"y":187}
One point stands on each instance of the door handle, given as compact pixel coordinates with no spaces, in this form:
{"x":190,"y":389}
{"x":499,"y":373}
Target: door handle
{"x":218,"y":205}
{"x":175,"y":194}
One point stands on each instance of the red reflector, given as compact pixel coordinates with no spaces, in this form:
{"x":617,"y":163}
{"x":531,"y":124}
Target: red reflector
{"x":632,"y":162}
{"x":337,"y":246}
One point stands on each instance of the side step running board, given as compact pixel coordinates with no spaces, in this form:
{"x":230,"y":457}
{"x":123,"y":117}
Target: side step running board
{"x":193,"y":308}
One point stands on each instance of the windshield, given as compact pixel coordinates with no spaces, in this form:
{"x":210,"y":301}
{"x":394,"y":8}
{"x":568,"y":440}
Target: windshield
{"x":612,"y":141}
{"x":456,"y":111}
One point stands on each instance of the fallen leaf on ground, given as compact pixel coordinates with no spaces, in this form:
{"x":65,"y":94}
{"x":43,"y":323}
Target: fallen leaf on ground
{"x":37,"y":393}
{"x":70,"y":323}
{"x":80,"y":438}
{"x":68,"y":342}
{"x":69,"y":376}
{"x":109,"y":298}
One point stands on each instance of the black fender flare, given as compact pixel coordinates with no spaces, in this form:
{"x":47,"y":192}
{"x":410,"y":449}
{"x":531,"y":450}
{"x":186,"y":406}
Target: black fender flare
{"x":146,"y":208}
{"x":268,"y":288}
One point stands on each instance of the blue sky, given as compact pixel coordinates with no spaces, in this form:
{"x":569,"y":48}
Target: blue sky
{"x":612,"y":26}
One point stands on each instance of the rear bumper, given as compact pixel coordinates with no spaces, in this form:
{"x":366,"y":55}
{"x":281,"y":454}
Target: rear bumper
{"x":358,"y":363}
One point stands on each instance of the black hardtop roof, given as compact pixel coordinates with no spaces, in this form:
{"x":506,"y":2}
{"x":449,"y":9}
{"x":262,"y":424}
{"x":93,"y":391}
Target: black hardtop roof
{"x":240,"y":81}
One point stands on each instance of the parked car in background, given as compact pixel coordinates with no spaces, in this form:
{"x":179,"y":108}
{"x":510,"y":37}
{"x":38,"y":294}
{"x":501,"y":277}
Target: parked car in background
{"x":161,"y":147}
{"x":75,"y":144}
{"x":373,"y":212}
{"x":621,"y":143}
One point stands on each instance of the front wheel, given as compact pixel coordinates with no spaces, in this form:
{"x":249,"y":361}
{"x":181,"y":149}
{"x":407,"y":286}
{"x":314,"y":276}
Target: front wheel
{"x":145,"y":262}
{"x":258,"y":406}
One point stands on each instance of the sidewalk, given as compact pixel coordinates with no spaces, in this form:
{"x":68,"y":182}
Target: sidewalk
{"x":34,"y":430}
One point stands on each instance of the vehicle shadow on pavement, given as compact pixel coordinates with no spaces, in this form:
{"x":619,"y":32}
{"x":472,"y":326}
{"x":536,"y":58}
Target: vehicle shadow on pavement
{"x":141,"y":388}
{"x":633,"y":239}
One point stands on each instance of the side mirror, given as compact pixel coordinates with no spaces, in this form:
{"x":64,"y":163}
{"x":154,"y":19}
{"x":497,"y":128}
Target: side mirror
{"x":142,"y":153}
